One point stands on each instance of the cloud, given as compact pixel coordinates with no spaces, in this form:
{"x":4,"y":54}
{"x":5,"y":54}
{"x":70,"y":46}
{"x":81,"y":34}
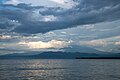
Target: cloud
{"x":93,"y":43}
{"x":101,"y":45}
{"x":65,"y":3}
{"x":48,"y":3}
{"x":117,"y":43}
{"x":44,"y":45}
{"x":50,"y":17}
{"x":59,"y":1}
{"x":46,"y":24}
{"x":14,"y":2}
{"x":5,"y":37}
{"x":8,"y":25}
{"x":110,"y":44}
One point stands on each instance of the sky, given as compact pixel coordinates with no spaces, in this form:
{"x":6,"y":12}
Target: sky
{"x":54,"y":25}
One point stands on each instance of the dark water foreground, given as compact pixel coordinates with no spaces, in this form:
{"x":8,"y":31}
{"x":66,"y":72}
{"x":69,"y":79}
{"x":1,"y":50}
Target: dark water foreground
{"x":60,"y":69}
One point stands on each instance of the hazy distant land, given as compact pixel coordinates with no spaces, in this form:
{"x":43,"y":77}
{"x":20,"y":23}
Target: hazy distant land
{"x":61,"y":55}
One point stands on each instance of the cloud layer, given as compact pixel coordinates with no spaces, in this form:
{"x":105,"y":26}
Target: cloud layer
{"x":32,"y":17}
{"x":42,"y":25}
{"x":44,"y":45}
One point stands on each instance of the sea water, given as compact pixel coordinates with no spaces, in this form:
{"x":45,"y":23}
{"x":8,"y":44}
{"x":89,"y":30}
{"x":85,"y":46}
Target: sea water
{"x":60,"y":69}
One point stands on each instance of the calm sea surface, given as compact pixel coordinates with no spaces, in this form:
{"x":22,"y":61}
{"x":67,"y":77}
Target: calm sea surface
{"x":60,"y":69}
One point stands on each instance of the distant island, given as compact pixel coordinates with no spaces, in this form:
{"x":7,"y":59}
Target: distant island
{"x":97,"y":57}
{"x":61,"y":55}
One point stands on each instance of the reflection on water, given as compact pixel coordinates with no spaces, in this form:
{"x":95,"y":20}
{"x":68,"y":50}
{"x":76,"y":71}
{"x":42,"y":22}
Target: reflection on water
{"x":59,"y":69}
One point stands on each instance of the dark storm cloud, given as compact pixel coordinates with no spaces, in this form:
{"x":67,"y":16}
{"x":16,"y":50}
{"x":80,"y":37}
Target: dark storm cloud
{"x":86,"y":12}
{"x":22,"y":6}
